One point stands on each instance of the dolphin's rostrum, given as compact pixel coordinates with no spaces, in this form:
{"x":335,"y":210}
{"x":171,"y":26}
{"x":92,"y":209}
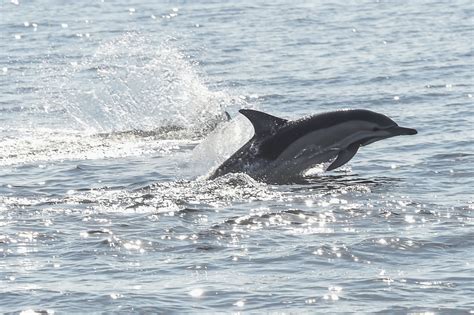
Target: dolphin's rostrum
{"x":281,"y":150}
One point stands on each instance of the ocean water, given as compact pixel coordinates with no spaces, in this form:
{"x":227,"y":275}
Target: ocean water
{"x":113,"y":112}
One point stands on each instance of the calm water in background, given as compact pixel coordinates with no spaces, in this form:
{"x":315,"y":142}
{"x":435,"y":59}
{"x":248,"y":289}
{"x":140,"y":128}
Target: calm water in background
{"x":106,"y":112}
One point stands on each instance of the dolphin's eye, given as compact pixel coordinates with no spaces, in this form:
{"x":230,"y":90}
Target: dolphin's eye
{"x":375,"y":129}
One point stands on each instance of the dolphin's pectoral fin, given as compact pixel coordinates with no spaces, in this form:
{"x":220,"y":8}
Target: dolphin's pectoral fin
{"x":264,"y":124}
{"x":344,"y":156}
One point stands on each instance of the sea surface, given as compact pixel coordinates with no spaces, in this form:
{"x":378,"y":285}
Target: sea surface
{"x":112,"y":113}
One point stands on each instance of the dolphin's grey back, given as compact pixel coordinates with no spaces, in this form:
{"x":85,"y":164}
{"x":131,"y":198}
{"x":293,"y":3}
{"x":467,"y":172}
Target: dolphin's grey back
{"x":272,"y":147}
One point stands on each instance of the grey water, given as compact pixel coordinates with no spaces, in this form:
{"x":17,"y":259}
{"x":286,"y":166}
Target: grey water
{"x":113,"y":112}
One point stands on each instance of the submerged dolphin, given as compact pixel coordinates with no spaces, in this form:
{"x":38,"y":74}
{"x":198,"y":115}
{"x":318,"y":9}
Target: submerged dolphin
{"x":281,"y":150}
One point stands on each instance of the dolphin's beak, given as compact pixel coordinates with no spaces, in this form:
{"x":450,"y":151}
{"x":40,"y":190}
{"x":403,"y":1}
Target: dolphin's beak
{"x":389,"y":132}
{"x":402,"y":131}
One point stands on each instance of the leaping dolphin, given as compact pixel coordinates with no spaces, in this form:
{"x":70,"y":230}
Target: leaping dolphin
{"x":281,"y":149}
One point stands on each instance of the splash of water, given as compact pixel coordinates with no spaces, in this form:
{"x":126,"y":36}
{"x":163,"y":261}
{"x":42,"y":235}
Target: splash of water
{"x":134,"y":83}
{"x":128,"y":97}
{"x":220,"y":145}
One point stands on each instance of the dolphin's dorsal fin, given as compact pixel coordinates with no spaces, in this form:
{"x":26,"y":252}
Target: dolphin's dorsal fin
{"x":264,"y":124}
{"x":344,"y":156}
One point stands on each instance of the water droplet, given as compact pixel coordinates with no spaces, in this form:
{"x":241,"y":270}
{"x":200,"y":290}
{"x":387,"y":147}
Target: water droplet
{"x":410,"y":219}
{"x":382,"y":241}
{"x":134,"y":245}
{"x":64,"y":25}
{"x":115,"y":296}
{"x":396,"y":98}
{"x":240,"y":303}
{"x":196,"y":292}
{"x":17,"y":36}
